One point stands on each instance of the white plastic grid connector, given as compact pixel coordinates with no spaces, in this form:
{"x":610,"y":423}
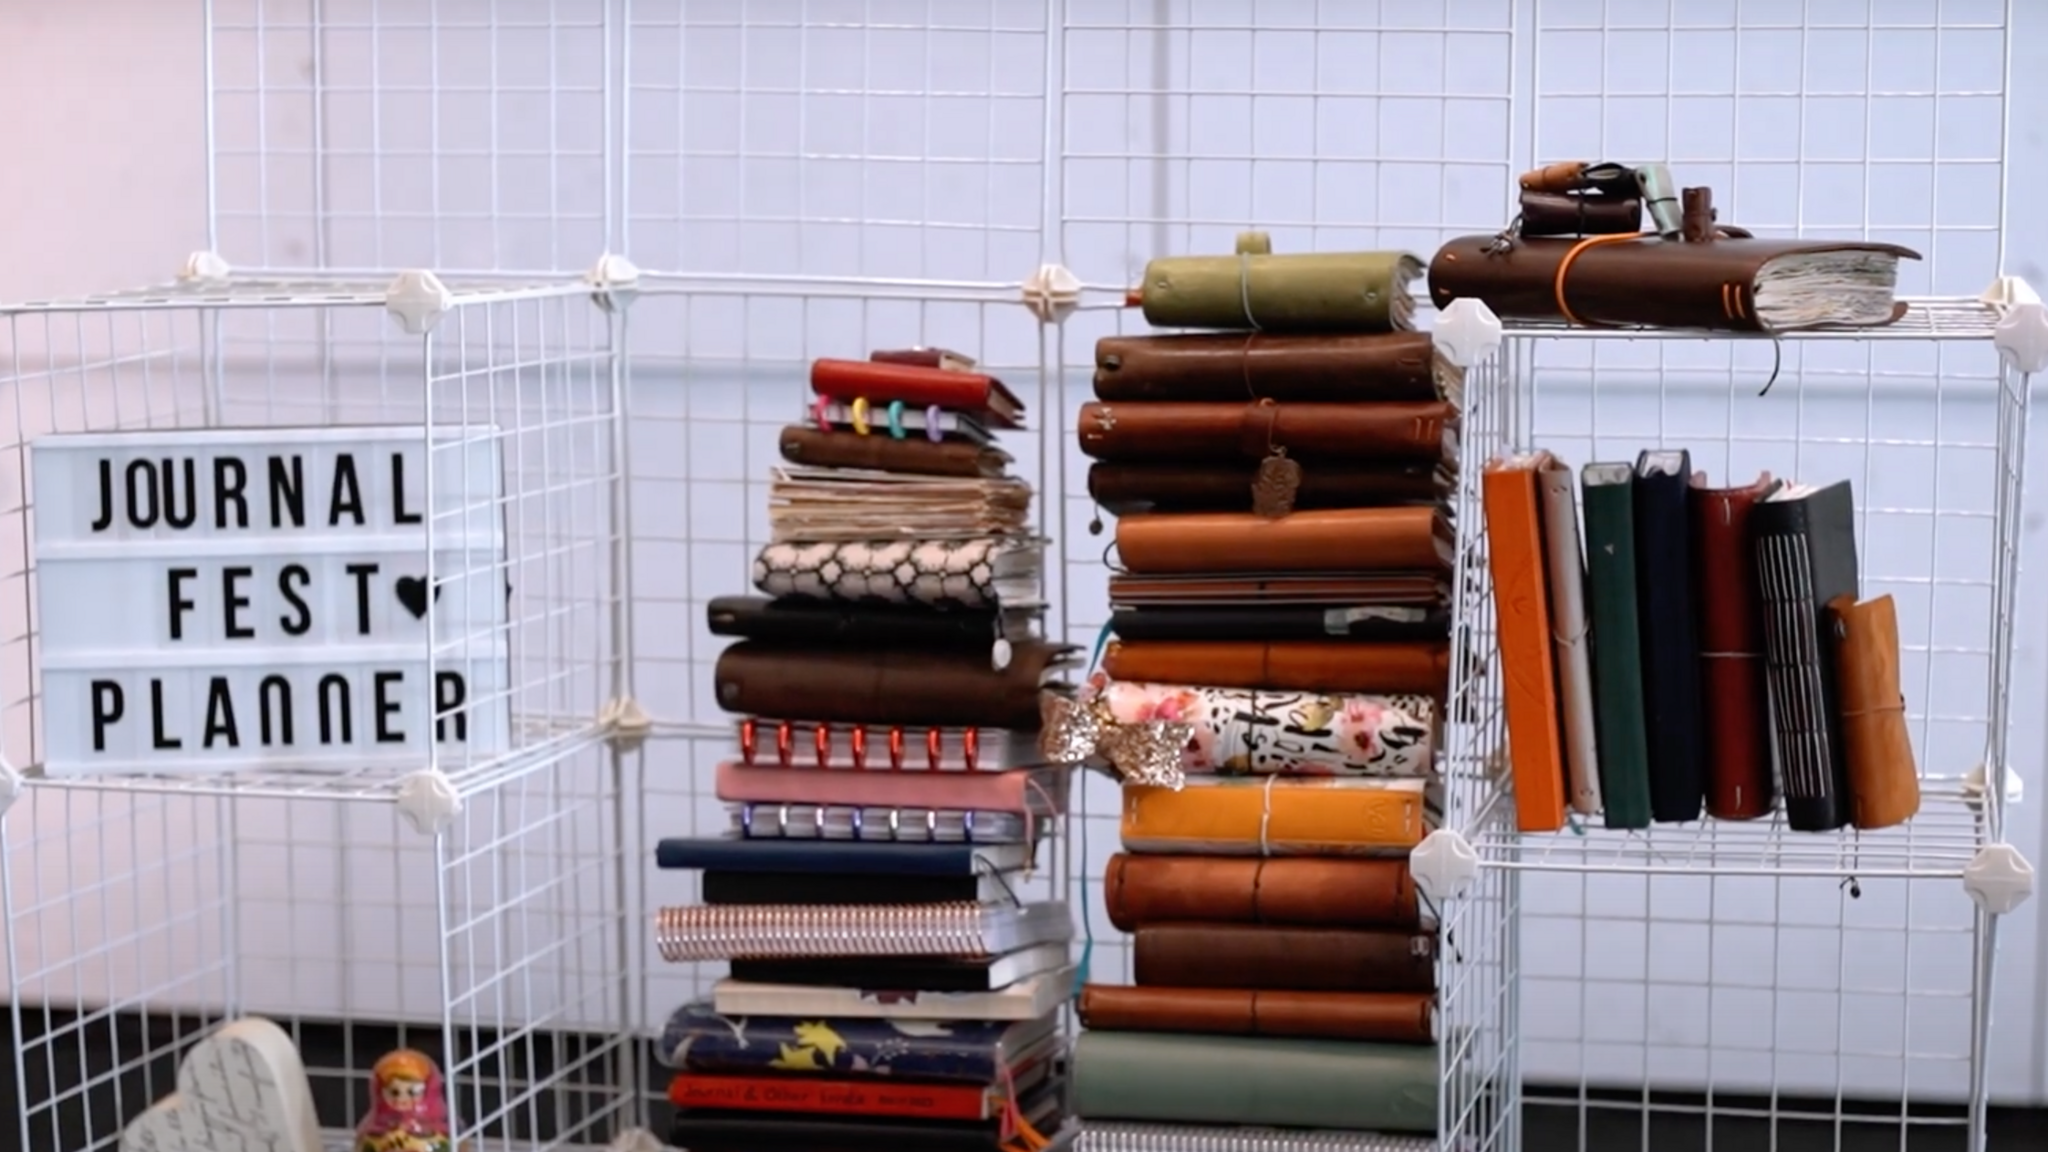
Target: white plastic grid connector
{"x":616,"y":281}
{"x":418,"y":299}
{"x":1467,"y":332}
{"x":204,"y":268}
{"x":637,"y":1140}
{"x":428,"y":801}
{"x":12,"y":783}
{"x":1977,"y":779}
{"x":1443,"y":865}
{"x":626,"y":723}
{"x":1051,"y":292}
{"x":1998,"y":878}
{"x":2021,"y":334}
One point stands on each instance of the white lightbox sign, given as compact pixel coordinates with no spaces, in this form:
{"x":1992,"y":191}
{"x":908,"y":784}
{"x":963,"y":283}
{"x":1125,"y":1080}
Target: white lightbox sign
{"x":258,"y":598}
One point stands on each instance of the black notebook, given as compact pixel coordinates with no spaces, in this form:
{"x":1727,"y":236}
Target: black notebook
{"x":1806,"y":556}
{"x":1669,"y":635}
{"x":905,"y":973}
{"x":733,"y":887}
{"x":1281,"y":622}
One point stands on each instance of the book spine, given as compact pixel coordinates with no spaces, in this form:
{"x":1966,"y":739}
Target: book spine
{"x":772,"y":821}
{"x":786,"y":1093}
{"x":729,"y":931}
{"x":1798,"y":690}
{"x":896,"y":748}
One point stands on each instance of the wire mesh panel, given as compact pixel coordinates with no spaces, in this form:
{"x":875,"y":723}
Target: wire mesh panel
{"x":467,"y":899}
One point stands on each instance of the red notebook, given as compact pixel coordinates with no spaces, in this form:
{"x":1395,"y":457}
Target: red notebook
{"x":917,"y":385}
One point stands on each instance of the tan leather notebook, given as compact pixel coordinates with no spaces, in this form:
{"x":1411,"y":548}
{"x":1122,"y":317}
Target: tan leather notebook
{"x":1521,"y":599}
{"x":1276,"y":816}
{"x":1884,"y":784}
{"x":1412,"y":538}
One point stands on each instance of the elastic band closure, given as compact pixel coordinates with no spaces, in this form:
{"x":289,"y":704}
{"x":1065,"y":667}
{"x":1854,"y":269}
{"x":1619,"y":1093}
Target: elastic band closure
{"x":932,"y":431}
{"x":820,"y":413}
{"x":896,"y":419}
{"x":1564,"y":308}
{"x":860,"y":415}
{"x":1266,"y":814}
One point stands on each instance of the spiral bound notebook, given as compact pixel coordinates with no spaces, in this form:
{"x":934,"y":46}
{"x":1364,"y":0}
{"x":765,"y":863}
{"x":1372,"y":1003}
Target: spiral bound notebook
{"x":1109,"y":1136}
{"x":960,"y":929}
{"x":840,"y":822}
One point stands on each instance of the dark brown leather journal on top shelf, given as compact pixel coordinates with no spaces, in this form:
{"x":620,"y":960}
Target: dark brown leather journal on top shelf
{"x":1262,"y":957}
{"x":1409,"y":538}
{"x":1335,"y":590}
{"x":1133,"y":489}
{"x":883,"y":686}
{"x":1209,"y":433}
{"x":1243,"y":366}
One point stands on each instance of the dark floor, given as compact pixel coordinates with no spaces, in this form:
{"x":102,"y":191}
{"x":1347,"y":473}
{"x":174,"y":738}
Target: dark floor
{"x":88,"y":1054}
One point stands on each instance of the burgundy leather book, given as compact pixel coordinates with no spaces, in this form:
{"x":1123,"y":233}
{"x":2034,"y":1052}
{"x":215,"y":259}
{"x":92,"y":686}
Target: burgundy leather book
{"x":1731,"y":635}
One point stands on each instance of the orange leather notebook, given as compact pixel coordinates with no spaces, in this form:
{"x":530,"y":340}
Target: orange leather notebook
{"x":1412,"y":538}
{"x":1275,"y":816}
{"x":1521,"y":604}
{"x":1884,"y":783}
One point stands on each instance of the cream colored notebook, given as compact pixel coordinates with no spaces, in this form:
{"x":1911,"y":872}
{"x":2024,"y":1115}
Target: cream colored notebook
{"x":1566,"y":567}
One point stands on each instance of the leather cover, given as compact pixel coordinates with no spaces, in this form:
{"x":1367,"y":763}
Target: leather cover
{"x":1422,"y":592}
{"x":982,"y":396}
{"x":869,"y":859}
{"x":887,"y":686}
{"x":823,"y":623}
{"x":1233,"y":1080}
{"x":1280,"y":816}
{"x":1319,"y":292}
{"x":1579,"y":213}
{"x":1211,"y":433}
{"x":1521,"y":604}
{"x":1332,"y":540}
{"x":1642,"y":281}
{"x":1285,"y":665}
{"x":1805,"y":560}
{"x":1299,"y":891}
{"x":1569,"y":633}
{"x":914,"y":455}
{"x":1022,"y":790}
{"x":926,"y":356}
{"x":1884,"y":784}
{"x":1258,"y":624}
{"x":1733,"y":691}
{"x":1131,"y":489}
{"x":1262,"y":366}
{"x":1671,"y":650}
{"x":1238,"y":731}
{"x":1608,"y":492}
{"x":1261,"y":956}
{"x":978,"y":574}
{"x":1391,"y":1017}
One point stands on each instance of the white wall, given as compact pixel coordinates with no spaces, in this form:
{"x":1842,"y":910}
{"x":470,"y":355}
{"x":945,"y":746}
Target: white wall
{"x":755,"y":151}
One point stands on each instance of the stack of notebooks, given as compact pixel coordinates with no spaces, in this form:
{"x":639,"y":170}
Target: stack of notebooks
{"x":1279,"y":622}
{"x":890,"y":983}
{"x":1708,"y":650}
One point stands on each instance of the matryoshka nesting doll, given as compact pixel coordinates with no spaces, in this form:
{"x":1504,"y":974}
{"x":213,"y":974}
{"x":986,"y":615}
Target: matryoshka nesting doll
{"x":408,"y":1110}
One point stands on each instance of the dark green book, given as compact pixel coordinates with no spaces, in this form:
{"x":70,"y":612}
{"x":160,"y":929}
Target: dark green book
{"x":1619,"y":724}
{"x":1172,"y":1077}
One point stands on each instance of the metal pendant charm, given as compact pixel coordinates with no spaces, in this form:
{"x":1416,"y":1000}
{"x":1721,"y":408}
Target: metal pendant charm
{"x":1274,"y":488}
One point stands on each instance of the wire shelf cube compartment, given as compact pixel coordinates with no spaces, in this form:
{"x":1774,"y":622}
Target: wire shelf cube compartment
{"x":467,"y":893}
{"x":1877,"y":978}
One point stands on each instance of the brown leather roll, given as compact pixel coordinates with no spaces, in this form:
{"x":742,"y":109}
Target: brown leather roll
{"x":920,"y":456}
{"x":1410,"y":538}
{"x":782,"y":681}
{"x":1387,"y":1017}
{"x":1884,"y":785}
{"x":1210,"y":433}
{"x":1256,"y":956}
{"x":1134,"y":489}
{"x":1579,"y":214}
{"x":1645,"y":281}
{"x":1233,"y":366}
{"x":1361,"y":592}
{"x":1734,"y":697}
{"x":1300,"y":891}
{"x":1290,"y":665}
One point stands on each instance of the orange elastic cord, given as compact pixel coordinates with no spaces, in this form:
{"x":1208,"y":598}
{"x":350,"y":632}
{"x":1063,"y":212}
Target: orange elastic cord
{"x":1564,"y":309}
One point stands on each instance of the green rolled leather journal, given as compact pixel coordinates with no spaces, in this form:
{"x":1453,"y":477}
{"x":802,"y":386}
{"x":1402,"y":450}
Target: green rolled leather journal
{"x":1173,"y":1077}
{"x":1620,"y":723}
{"x":1258,"y":290}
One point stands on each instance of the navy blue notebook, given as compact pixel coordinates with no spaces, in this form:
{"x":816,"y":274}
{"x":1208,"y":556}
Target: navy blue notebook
{"x":868,"y":858}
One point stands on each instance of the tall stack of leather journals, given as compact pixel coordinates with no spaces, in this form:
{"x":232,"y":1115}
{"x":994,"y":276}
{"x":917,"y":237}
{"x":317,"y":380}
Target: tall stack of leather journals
{"x":892,"y":983}
{"x":1279,"y":612}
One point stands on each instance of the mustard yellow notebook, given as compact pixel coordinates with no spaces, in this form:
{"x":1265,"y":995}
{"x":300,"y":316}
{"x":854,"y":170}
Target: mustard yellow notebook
{"x":1282,"y":816}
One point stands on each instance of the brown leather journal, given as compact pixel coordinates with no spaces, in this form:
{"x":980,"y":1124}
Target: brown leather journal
{"x":1234,"y":366}
{"x":1133,"y":489}
{"x":1290,"y":665}
{"x":1722,"y":284}
{"x":1579,"y":213}
{"x":920,"y":456}
{"x":1388,"y":1017}
{"x":1409,"y":538}
{"x":1735,"y":700}
{"x":1352,"y":434}
{"x":1884,"y":784}
{"x":1302,"y":891}
{"x":1286,"y":959}
{"x":781,"y":681}
{"x":1361,"y":591}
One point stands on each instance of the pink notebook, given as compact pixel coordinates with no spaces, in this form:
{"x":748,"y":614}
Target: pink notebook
{"x":1027,"y":791}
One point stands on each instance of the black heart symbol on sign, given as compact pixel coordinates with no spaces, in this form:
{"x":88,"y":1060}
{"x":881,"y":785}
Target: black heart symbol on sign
{"x":412,"y":592}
